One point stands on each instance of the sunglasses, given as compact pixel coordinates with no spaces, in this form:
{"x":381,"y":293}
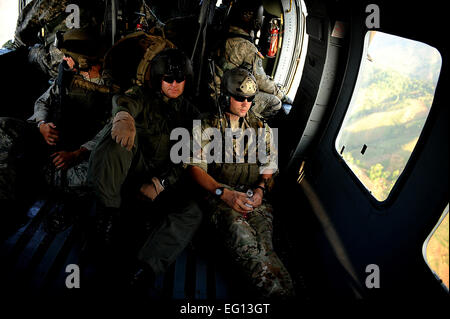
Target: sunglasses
{"x":243,"y":98}
{"x":170,"y":78}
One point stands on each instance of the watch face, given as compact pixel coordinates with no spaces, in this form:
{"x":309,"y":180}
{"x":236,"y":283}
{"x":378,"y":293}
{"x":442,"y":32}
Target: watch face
{"x":219,"y":191}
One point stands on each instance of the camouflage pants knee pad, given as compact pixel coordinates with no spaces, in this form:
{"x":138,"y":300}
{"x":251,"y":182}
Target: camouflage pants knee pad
{"x":266,"y":104}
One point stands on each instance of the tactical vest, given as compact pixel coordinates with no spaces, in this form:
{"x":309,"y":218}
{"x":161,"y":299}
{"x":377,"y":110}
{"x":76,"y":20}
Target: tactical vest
{"x":82,"y":111}
{"x":236,"y":174}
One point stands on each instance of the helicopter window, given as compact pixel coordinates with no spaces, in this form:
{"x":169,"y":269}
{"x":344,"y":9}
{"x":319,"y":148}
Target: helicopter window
{"x":8,"y":20}
{"x":390,"y":104}
{"x":435,"y":249}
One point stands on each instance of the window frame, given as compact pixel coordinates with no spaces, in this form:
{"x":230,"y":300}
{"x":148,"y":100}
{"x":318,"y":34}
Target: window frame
{"x":425,"y":246}
{"x":422,"y":138}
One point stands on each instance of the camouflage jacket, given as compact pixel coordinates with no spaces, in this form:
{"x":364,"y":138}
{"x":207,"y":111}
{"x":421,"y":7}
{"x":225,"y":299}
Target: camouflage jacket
{"x":244,"y":150}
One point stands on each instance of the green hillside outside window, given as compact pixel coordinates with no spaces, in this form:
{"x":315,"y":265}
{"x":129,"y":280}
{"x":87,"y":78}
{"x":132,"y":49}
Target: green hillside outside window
{"x":390,"y":104}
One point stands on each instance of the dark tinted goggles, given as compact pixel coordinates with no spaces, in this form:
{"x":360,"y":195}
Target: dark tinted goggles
{"x":169,"y":78}
{"x":243,"y":98}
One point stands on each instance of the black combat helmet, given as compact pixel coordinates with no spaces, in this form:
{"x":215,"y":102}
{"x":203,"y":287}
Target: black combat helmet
{"x":173,"y":63}
{"x":83,"y":45}
{"x":238,"y":83}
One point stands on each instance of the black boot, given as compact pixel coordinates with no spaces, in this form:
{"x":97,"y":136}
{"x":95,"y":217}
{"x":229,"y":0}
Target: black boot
{"x":13,"y":217}
{"x":141,"y":278}
{"x":106,"y":224}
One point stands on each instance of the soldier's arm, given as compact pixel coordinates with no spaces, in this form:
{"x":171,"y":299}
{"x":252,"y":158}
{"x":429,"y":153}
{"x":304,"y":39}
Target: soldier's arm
{"x":206,"y":181}
{"x":198,"y":170}
{"x":265,"y":83}
{"x":235,"y":200}
{"x":126,"y":103}
{"x":45,"y":104}
{"x":44,"y":110}
{"x":65,"y":159}
{"x":268,"y":165}
{"x":123,"y":130}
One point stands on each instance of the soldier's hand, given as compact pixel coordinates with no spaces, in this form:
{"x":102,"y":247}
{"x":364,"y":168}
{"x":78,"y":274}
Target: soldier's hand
{"x":286,"y":100}
{"x":152,"y":190}
{"x":70,"y":62}
{"x":64,"y":159}
{"x":237,"y":200}
{"x":49,"y":132}
{"x":123,"y":129}
{"x":256,"y":200}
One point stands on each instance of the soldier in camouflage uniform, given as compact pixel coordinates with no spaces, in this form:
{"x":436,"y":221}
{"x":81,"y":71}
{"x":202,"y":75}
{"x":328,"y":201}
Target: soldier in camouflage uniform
{"x":61,"y":133}
{"x":240,"y":51}
{"x":40,"y":20}
{"x":244,"y":221}
{"x":133,"y":158}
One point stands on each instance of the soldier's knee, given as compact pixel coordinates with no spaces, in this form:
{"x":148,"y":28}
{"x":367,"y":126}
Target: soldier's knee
{"x":278,"y":105}
{"x":108,"y":151}
{"x":273,"y":104}
{"x":243,"y":241}
{"x":193,"y":212}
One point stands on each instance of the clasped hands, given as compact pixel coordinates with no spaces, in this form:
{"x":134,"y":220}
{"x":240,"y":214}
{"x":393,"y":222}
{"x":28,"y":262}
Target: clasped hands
{"x":238,"y":200}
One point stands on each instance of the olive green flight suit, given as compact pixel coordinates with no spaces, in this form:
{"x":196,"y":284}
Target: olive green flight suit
{"x":116,"y":173}
{"x":249,"y":240}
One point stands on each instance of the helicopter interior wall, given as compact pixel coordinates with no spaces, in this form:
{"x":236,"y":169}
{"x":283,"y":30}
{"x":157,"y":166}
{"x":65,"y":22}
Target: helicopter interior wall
{"x":389,"y":235}
{"x":322,"y":74}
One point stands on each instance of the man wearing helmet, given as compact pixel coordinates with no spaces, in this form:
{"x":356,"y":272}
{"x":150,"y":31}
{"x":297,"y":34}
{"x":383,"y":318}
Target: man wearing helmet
{"x":52,"y":138}
{"x":243,"y":219}
{"x":39,"y":22}
{"x":134,"y":157}
{"x":78,"y":92}
{"x":240,"y":51}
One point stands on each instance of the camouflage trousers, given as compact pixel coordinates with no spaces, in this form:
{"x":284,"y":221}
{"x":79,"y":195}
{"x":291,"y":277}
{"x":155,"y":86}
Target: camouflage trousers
{"x":12,"y":144}
{"x":249,"y":241}
{"x":25,"y":163}
{"x":266,"y":105}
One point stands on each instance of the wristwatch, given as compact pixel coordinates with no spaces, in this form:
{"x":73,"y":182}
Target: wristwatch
{"x":219,"y":191}
{"x":262,"y":188}
{"x":163,"y":182}
{"x":40,"y":123}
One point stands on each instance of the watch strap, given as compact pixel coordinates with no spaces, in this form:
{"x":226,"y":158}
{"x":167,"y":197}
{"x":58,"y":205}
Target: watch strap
{"x":263,"y":189}
{"x":221,"y":193}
